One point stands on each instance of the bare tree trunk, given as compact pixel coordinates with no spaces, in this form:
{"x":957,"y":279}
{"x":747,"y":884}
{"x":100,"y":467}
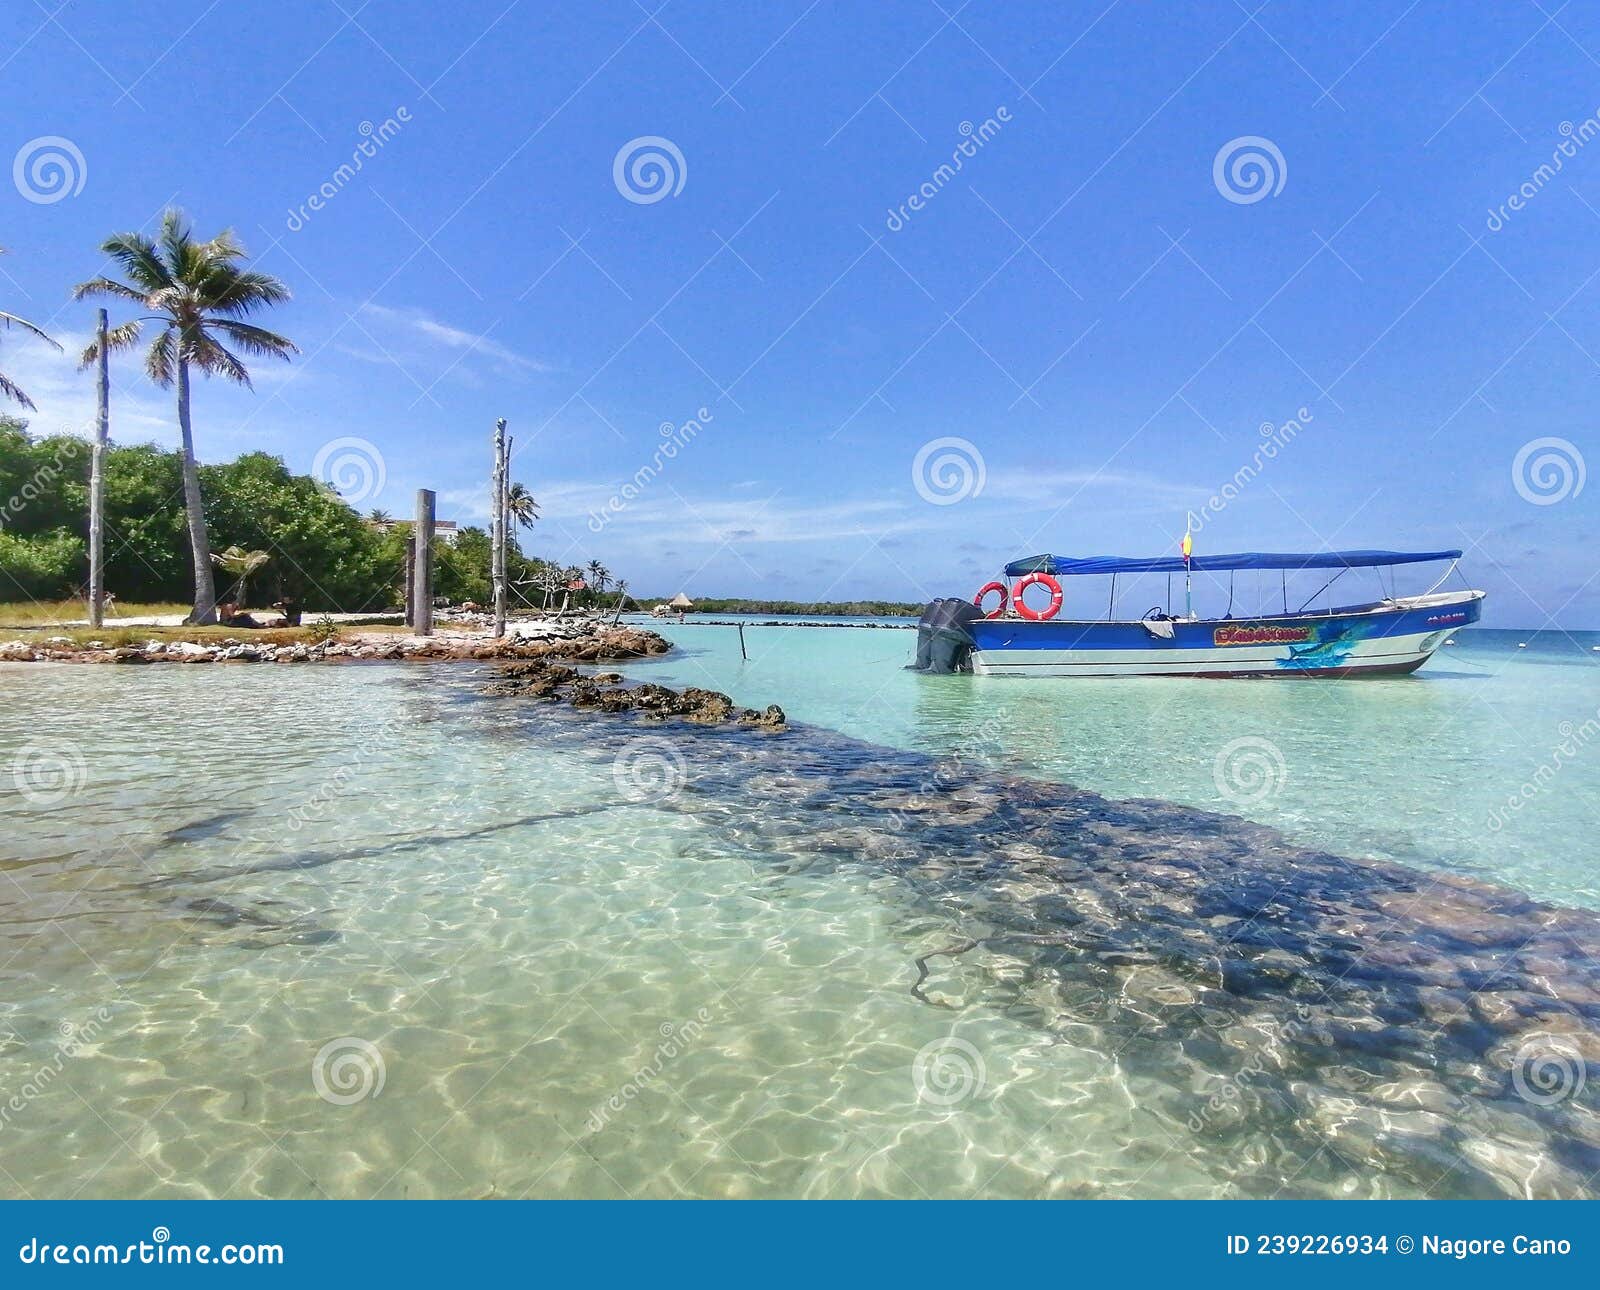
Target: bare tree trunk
{"x":205,"y":589}
{"x":508,"y":525}
{"x":497,"y":529}
{"x":411,"y":579}
{"x":422,"y":620}
{"x":97,"y":500}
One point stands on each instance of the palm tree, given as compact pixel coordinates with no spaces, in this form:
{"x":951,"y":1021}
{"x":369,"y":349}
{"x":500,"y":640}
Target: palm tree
{"x":520,"y":505}
{"x":241,"y":563}
{"x":8,"y":387}
{"x":599,"y":575}
{"x":198,"y":295}
{"x":377,"y":515}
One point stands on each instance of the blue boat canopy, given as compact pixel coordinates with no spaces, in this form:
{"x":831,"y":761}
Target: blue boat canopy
{"x":1061,"y":566}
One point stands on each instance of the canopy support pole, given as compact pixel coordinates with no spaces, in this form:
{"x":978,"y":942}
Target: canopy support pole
{"x":1442,"y":578}
{"x":1321,"y":589}
{"x":1111,"y":608}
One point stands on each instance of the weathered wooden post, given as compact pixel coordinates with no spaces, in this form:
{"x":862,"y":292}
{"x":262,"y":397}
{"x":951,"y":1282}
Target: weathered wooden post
{"x":506,"y":521}
{"x":411,"y":579}
{"x":422,"y":579}
{"x":97,"y":463}
{"x":497,"y":529}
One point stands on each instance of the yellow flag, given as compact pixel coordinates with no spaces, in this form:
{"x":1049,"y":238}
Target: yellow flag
{"x":1188,"y":545}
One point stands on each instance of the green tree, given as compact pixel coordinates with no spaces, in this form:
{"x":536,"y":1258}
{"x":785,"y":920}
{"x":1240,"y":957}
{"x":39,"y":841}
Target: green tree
{"x":199,"y":296}
{"x":323,"y":553}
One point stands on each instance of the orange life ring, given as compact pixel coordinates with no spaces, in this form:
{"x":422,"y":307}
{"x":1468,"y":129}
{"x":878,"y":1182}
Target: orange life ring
{"x":985,"y":590}
{"x":1037,"y":615}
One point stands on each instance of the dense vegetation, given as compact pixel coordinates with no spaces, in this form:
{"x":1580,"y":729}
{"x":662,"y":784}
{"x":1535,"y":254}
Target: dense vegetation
{"x":320,"y":551}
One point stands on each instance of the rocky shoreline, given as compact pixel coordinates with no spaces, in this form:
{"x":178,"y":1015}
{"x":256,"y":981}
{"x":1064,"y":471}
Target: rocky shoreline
{"x":577,"y":642}
{"x":539,"y":678}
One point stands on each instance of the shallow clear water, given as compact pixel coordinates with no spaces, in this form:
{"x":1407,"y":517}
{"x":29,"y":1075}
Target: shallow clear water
{"x":1417,"y":768}
{"x":359,"y":931}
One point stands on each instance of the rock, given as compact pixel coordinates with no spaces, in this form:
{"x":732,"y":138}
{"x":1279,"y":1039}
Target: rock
{"x":707,"y":707}
{"x":772,"y":718}
{"x":538,"y":678}
{"x":17,"y":652}
{"x":129,"y":654}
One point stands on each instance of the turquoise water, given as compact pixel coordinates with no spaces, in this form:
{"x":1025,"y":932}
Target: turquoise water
{"x":1417,"y":769}
{"x":360,"y":931}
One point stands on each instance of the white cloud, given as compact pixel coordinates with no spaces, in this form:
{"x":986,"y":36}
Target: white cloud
{"x":65,"y":397}
{"x":662,"y":511}
{"x":409,"y":327}
{"x":1056,"y":487}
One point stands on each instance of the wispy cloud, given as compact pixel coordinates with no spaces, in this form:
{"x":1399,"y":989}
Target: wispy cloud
{"x":406,"y":331}
{"x":65,"y":397}
{"x":717,"y":520}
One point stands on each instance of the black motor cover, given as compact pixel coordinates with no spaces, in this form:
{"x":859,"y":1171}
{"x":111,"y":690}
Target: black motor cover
{"x":943,"y":642}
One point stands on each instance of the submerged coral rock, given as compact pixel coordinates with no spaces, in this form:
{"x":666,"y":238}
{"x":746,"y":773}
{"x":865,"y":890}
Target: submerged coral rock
{"x":540,"y":680}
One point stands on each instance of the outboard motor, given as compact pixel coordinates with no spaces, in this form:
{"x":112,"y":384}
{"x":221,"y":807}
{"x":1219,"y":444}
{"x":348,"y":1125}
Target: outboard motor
{"x":943,"y":642}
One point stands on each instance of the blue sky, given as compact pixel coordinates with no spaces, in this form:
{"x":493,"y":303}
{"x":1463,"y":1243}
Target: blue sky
{"x":1101,"y":312}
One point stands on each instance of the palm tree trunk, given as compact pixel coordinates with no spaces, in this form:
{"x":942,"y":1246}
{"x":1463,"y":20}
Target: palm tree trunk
{"x":205,"y":591}
{"x":97,"y":501}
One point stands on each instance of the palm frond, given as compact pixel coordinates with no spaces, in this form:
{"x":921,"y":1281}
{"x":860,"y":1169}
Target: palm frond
{"x":241,"y":292}
{"x":9,"y":389}
{"x":162,"y":358}
{"x":106,"y":287}
{"x":117,"y":339}
{"x":11,"y":320}
{"x":137,"y":255}
{"x":257,"y":340}
{"x":216,"y":360}
{"x":182,"y":254}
